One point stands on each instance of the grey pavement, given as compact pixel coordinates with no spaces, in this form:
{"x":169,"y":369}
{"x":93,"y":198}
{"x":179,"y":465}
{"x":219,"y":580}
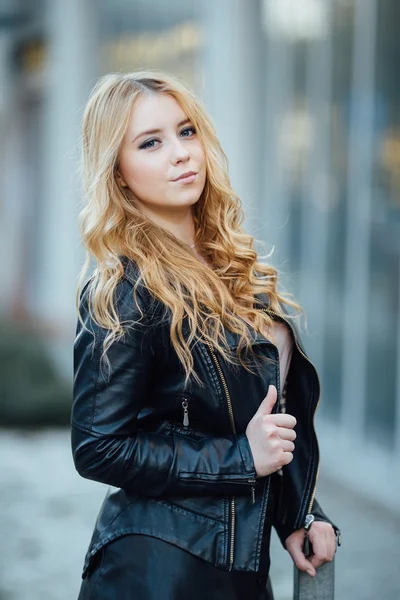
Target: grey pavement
{"x":47,"y":512}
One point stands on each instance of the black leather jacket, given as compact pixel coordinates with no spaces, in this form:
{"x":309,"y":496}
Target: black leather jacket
{"x":178,"y":460}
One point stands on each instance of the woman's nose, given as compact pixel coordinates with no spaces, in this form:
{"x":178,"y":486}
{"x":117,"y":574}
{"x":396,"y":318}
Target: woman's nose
{"x":179,"y":152}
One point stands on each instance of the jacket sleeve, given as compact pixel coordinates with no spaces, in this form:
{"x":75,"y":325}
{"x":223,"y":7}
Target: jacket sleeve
{"x":107,"y":444}
{"x":319,"y":515}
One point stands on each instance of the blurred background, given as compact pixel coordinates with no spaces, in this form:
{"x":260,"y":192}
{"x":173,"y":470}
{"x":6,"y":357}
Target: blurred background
{"x":305,"y":97}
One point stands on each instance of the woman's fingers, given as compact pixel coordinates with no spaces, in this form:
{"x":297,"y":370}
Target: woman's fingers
{"x":287,"y":434}
{"x":283,"y":419}
{"x":294,"y":545}
{"x":287,"y":446}
{"x":323,"y":539}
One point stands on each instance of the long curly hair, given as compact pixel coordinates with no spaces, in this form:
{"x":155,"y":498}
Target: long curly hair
{"x":112,"y":226}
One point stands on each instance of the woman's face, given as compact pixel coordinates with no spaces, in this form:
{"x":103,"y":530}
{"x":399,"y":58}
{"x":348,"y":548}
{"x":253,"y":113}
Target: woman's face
{"x":150,"y":161}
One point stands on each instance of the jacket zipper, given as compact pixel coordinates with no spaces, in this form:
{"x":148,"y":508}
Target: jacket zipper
{"x":268,"y":310}
{"x":252,"y":480}
{"x":185,"y":406}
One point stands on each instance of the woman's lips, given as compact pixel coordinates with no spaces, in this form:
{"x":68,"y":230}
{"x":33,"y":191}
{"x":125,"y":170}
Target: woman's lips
{"x":187,"y":179}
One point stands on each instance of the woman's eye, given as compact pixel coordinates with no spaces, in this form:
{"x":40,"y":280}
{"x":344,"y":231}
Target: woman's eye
{"x":146,"y":144}
{"x":149,"y":142}
{"x":189,"y":128}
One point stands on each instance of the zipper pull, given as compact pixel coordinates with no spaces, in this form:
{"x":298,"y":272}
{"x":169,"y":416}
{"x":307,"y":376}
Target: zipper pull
{"x":308,"y":520}
{"x":307,"y":547}
{"x":338,"y":537}
{"x":253,"y":490}
{"x":185,"y":405}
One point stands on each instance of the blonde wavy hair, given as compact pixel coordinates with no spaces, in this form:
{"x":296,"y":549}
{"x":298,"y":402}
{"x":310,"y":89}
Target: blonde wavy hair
{"x":112,"y":227}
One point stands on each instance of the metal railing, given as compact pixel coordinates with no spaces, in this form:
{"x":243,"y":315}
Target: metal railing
{"x":320,"y":587}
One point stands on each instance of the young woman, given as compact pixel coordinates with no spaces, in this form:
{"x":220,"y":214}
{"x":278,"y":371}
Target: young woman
{"x":190,"y":380}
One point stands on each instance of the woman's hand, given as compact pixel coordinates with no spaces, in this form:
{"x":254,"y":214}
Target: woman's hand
{"x":323,"y":539}
{"x":270,"y":436}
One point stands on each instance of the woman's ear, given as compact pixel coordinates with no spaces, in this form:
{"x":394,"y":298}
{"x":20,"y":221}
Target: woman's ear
{"x":120,"y":180}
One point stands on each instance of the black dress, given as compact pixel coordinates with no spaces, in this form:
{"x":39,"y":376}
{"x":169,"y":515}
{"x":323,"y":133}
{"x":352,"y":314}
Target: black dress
{"x":129,"y":568}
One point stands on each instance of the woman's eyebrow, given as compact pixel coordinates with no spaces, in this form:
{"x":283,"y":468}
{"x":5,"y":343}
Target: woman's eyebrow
{"x":150,"y":131}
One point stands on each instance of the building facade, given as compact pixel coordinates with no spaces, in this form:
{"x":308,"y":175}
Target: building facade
{"x":305,"y":100}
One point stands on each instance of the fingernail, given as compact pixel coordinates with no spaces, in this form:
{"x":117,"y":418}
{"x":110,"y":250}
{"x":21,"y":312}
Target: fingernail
{"x":311,"y":573}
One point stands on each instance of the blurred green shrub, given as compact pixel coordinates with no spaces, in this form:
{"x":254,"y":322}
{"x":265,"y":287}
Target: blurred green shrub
{"x":32,"y":393}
